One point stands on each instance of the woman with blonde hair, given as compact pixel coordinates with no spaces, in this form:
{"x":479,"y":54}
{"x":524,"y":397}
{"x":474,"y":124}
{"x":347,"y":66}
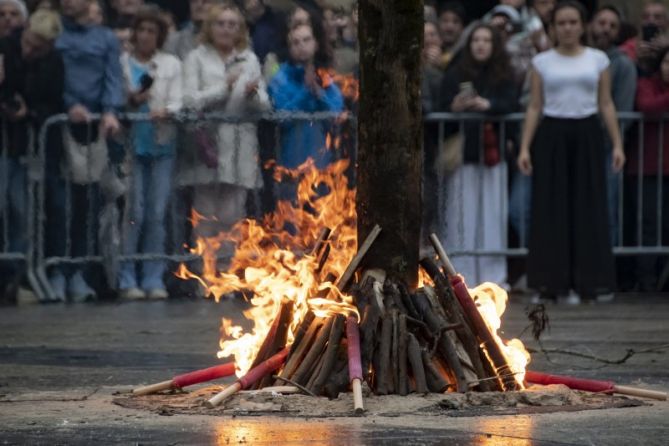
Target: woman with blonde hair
{"x":223,"y":75}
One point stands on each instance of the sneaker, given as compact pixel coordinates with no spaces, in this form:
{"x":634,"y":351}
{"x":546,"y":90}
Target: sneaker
{"x":158,"y":293}
{"x":132,"y":293}
{"x":58,"y":285}
{"x":78,"y":290}
{"x":605,"y":298}
{"x":570,"y":299}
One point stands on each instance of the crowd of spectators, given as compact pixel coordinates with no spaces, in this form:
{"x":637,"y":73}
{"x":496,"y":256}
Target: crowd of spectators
{"x":94,"y":57}
{"x":465,"y":72}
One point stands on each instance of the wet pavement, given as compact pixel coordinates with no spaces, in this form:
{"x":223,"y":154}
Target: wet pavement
{"x":60,"y":365}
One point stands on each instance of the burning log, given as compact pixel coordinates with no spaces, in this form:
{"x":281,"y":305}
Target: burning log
{"x":276,"y":338}
{"x":455,"y":314}
{"x":309,"y":362}
{"x":444,"y":343}
{"x":345,"y":279}
{"x":476,"y":321}
{"x":435,"y":380}
{"x":301,"y":350}
{"x":416,"y":361}
{"x":354,"y":362}
{"x":188,"y":379}
{"x":251,"y":377}
{"x":330,"y":355}
{"x":591,"y":385}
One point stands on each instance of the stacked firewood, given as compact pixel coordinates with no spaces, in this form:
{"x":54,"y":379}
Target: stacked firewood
{"x":430,"y":340}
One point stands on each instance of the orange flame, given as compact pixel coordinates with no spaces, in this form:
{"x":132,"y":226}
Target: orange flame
{"x":491,"y":302}
{"x":348,"y":84}
{"x":273,"y":263}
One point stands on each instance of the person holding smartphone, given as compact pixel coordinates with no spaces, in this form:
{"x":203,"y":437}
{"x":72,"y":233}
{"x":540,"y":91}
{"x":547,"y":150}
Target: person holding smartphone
{"x":480,"y":81}
{"x":154,"y":84}
{"x":652,"y":35}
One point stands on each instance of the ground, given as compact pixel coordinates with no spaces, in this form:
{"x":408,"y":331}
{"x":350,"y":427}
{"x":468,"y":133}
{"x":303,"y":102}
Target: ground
{"x":61,"y":366}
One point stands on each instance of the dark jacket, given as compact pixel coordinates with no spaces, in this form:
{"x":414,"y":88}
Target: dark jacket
{"x":40,"y":83}
{"x":268,"y":35}
{"x":503,"y":97}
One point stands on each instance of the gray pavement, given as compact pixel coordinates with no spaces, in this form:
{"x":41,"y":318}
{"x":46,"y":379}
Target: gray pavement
{"x":60,"y":365}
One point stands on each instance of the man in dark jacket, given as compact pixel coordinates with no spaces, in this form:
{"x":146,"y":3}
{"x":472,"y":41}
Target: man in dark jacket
{"x":31,"y":90}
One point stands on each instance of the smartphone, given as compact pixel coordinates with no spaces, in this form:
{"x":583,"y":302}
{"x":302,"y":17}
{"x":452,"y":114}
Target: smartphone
{"x":467,"y":88}
{"x":648,"y":32}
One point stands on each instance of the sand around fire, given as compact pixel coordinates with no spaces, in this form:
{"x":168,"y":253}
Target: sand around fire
{"x":537,"y":399}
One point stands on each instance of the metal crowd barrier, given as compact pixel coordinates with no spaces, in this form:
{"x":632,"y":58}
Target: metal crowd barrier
{"x":18,"y":173}
{"x":97,"y":215}
{"x":630,"y":187}
{"x":630,"y":238}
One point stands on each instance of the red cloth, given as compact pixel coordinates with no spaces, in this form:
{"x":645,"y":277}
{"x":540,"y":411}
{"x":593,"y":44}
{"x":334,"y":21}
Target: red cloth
{"x":263,"y":369}
{"x":652,"y":99}
{"x":589,"y":385}
{"x":353,"y":344}
{"x":629,"y":48}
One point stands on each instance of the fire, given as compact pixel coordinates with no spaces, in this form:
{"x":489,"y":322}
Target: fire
{"x":273,"y":259}
{"x":491,"y":302}
{"x":348,"y":84}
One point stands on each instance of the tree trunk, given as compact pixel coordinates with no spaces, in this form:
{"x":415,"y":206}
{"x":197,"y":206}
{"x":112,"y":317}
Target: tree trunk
{"x":390,"y":133}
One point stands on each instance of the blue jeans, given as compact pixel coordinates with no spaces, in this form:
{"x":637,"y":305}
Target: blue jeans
{"x":13,"y":210}
{"x":145,"y":233}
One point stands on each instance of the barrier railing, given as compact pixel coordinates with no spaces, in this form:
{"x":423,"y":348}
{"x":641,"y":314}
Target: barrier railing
{"x":638,"y":217}
{"x":92,"y":216}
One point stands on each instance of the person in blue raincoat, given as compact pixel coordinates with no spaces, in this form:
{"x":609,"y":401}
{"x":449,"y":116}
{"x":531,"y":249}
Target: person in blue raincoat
{"x":301,"y":86}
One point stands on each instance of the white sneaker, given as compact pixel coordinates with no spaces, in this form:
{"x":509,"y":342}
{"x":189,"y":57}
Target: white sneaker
{"x":605,"y":298}
{"x":158,"y":293}
{"x":570,"y":299}
{"x":132,"y":293}
{"x":58,"y":285}
{"x":78,"y":290}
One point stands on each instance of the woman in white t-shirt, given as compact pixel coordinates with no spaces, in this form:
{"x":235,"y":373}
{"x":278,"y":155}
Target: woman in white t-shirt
{"x":569,"y":249}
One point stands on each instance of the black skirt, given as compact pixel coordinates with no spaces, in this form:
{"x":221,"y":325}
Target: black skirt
{"x":569,"y":246}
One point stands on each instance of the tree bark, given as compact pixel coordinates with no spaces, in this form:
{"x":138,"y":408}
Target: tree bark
{"x":390,"y":134}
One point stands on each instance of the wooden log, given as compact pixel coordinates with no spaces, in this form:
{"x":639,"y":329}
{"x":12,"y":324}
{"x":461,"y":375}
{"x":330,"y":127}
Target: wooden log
{"x":354,"y":362}
{"x":477,"y":323}
{"x":407,"y":299}
{"x":301,"y":330}
{"x":296,"y":357}
{"x":394,"y":352}
{"x":436,"y":382}
{"x":322,"y":250}
{"x":416,"y":361}
{"x":278,"y":341}
{"x":403,"y":378}
{"x":455,"y":314}
{"x":345,"y":279}
{"x":368,"y":334}
{"x":390,"y":290}
{"x":444,"y":343}
{"x":383,"y":372}
{"x":277,"y":333}
{"x":314,"y":372}
{"x":330,"y":354}
{"x":339,"y":380}
{"x":471,"y":375}
{"x":301,"y":374}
